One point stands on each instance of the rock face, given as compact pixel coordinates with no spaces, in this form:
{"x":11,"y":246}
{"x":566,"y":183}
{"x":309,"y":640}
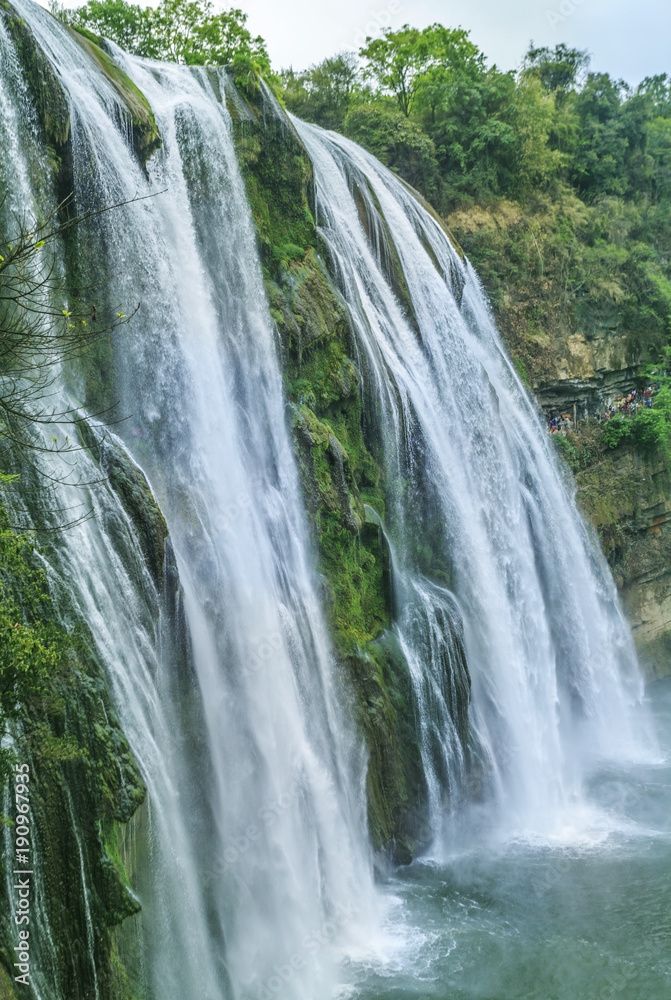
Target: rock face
{"x":341,"y":476}
{"x":570,"y":332}
{"x":569,"y":335}
{"x":582,"y":385}
{"x":86,"y":787}
{"x":589,"y":373}
{"x":51,"y":103}
{"x":627,"y":496}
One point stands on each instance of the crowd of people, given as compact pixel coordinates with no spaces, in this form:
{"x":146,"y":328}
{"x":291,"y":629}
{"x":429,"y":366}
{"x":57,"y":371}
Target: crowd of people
{"x":560,"y":425}
{"x":623,"y":406}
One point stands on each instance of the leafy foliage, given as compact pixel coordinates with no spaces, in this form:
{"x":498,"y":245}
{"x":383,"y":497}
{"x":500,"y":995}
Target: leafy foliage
{"x":42,"y":326}
{"x":399,"y":143}
{"x":32,"y":647}
{"x":616,"y":431}
{"x":558,"y":69}
{"x":323,"y":93}
{"x":555,"y":181}
{"x":409,"y":63}
{"x":182,"y":31}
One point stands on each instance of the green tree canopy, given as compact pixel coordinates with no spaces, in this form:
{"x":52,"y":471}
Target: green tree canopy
{"x":182,"y":31}
{"x":325,"y":92}
{"x":402,"y":61}
{"x":560,"y":68}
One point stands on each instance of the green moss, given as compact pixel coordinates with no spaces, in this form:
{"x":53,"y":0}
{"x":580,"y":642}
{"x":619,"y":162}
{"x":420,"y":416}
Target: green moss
{"x":33,"y":646}
{"x":85,"y":785}
{"x":51,"y":103}
{"x":337,"y":464}
{"x":395,"y":783}
{"x":146,"y":136}
{"x":7,"y":991}
{"x":609,"y":498}
{"x":278,"y":175}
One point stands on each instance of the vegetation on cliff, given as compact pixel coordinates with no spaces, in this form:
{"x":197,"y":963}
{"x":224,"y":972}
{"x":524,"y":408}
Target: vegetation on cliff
{"x":336,"y":450}
{"x":56,"y":714}
{"x":182,"y":31}
{"x":554,"y":180}
{"x":57,"y":718}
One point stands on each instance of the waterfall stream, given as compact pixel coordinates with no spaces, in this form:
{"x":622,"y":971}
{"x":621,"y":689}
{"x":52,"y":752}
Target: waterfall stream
{"x":259,"y":870}
{"x":256,"y":864}
{"x":551,"y":660}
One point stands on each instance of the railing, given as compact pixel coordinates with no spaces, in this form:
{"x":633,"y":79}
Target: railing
{"x":623,"y":406}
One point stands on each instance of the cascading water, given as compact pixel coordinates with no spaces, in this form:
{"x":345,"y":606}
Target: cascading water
{"x":259,"y":872}
{"x":552,"y":665}
{"x":266,"y":847}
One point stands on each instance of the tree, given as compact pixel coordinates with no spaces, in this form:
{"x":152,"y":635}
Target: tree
{"x":182,"y":31}
{"x":324,"y":93}
{"x":224,"y":40}
{"x":399,"y":143}
{"x":475,"y":136}
{"x":560,"y":68}
{"x":132,"y":27}
{"x":401,"y":60}
{"x":43,"y":325}
{"x":658,"y":89}
{"x":612,"y":155}
{"x":395,"y":61}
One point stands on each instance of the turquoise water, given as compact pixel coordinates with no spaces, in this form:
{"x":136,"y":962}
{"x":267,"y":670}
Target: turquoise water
{"x":585,"y":915}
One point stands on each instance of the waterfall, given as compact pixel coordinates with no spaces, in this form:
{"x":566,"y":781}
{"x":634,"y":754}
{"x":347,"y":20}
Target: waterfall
{"x":260,"y":868}
{"x":551,"y":661}
{"x":258,"y":876}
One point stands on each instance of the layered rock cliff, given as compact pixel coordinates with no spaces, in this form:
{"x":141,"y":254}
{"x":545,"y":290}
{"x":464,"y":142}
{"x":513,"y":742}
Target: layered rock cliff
{"x":626,"y":494}
{"x":569,"y":328}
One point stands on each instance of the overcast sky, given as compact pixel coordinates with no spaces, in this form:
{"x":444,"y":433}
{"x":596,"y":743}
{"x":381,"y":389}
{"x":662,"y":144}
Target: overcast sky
{"x":626,"y":38}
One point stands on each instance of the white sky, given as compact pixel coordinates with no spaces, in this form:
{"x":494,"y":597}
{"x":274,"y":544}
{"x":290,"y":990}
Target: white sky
{"x":627,"y":38}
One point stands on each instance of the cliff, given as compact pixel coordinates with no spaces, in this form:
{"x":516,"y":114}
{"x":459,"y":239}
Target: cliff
{"x":84,"y":786}
{"x":566,"y":317}
{"x":562,"y":312}
{"x":626,"y":493}
{"x":342,"y":480}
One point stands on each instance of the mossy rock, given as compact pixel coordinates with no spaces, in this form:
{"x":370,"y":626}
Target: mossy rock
{"x":134,"y":492}
{"x":146,"y":136}
{"x":85,"y":784}
{"x":395,"y":783}
{"x":337,"y":465}
{"x":278,"y":178}
{"x":51,"y":103}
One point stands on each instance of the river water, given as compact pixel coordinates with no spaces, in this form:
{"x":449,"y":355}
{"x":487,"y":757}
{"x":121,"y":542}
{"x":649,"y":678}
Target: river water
{"x":582,"y":915}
